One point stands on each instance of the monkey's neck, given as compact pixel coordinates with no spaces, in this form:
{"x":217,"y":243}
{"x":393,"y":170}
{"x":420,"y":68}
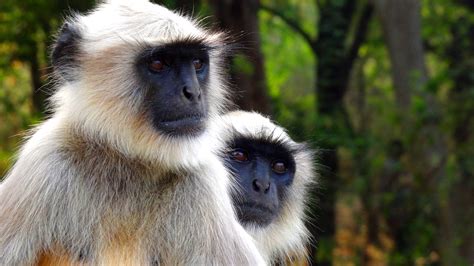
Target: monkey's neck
{"x":137,"y":140}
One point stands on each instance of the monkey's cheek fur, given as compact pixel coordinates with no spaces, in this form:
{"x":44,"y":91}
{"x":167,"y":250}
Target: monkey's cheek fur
{"x":188,"y":126}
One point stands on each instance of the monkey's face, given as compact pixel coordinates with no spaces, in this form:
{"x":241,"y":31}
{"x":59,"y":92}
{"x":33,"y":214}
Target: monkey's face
{"x":272,"y":174}
{"x":175,"y":78}
{"x":264,"y":171}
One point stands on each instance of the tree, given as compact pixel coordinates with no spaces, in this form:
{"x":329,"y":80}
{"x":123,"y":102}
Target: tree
{"x":401,"y":23}
{"x":456,"y":220}
{"x":240,"y":17}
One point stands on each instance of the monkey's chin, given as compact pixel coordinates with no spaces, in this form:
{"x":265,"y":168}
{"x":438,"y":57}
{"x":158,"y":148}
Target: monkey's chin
{"x":253,"y":214}
{"x":188,"y":126}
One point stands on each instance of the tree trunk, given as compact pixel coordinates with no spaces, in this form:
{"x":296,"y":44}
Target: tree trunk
{"x":332,"y":75}
{"x":457,"y":220}
{"x":401,"y":23}
{"x":247,"y":73}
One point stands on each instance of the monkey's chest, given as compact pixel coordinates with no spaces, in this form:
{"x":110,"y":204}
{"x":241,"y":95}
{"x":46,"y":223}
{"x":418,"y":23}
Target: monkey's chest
{"x":124,"y":250}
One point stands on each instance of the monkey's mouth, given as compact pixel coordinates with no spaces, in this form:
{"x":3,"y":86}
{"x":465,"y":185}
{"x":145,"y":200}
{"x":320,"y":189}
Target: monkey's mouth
{"x":253,"y":213}
{"x":188,"y":125}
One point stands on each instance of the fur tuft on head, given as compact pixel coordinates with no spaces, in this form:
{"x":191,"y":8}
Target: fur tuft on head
{"x":287,"y":236}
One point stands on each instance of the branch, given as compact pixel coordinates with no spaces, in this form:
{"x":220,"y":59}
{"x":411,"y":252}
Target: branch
{"x":291,"y":23}
{"x":360,"y":34}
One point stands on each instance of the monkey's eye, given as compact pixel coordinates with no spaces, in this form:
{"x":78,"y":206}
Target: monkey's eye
{"x":239,"y":155}
{"x":279,"y":167}
{"x":156,"y":65}
{"x":198,"y":64}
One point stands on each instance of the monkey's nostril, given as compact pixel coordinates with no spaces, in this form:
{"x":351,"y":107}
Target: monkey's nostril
{"x":192,"y":94}
{"x":259,"y":186}
{"x":256,"y":185}
{"x":267,"y":189}
{"x":188,"y":93}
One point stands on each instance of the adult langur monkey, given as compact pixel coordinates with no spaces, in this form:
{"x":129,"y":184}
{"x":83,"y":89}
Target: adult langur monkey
{"x":124,"y":173}
{"x":272,"y":175}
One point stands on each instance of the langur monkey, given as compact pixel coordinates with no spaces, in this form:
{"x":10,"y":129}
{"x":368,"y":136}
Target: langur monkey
{"x":272,"y":175}
{"x":124,"y":171}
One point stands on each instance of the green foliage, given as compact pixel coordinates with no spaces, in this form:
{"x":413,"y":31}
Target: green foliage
{"x":242,"y":64}
{"x":25,"y":35}
{"x":15,"y":110}
{"x":289,"y":66}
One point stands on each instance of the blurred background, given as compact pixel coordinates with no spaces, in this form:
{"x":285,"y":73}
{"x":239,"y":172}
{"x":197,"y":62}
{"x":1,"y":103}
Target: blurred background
{"x":384,"y":89}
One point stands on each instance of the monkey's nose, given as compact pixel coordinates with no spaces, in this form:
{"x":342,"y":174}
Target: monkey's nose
{"x":261,"y":186}
{"x":191,"y":94}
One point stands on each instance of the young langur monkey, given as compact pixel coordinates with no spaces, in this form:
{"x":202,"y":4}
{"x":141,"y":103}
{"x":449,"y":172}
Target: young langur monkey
{"x":272,"y":174}
{"x":124,"y":171}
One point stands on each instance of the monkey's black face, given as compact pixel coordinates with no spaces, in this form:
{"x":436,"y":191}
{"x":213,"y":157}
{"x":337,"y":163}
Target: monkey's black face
{"x":176,"y":79}
{"x":264,"y":172}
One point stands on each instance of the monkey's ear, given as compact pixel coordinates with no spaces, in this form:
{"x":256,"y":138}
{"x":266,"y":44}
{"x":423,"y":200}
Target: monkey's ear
{"x":65,"y":54}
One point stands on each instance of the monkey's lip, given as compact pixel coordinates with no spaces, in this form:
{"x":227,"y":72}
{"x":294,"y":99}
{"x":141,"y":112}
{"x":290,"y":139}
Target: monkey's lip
{"x":188,"y":125}
{"x":250,"y":212}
